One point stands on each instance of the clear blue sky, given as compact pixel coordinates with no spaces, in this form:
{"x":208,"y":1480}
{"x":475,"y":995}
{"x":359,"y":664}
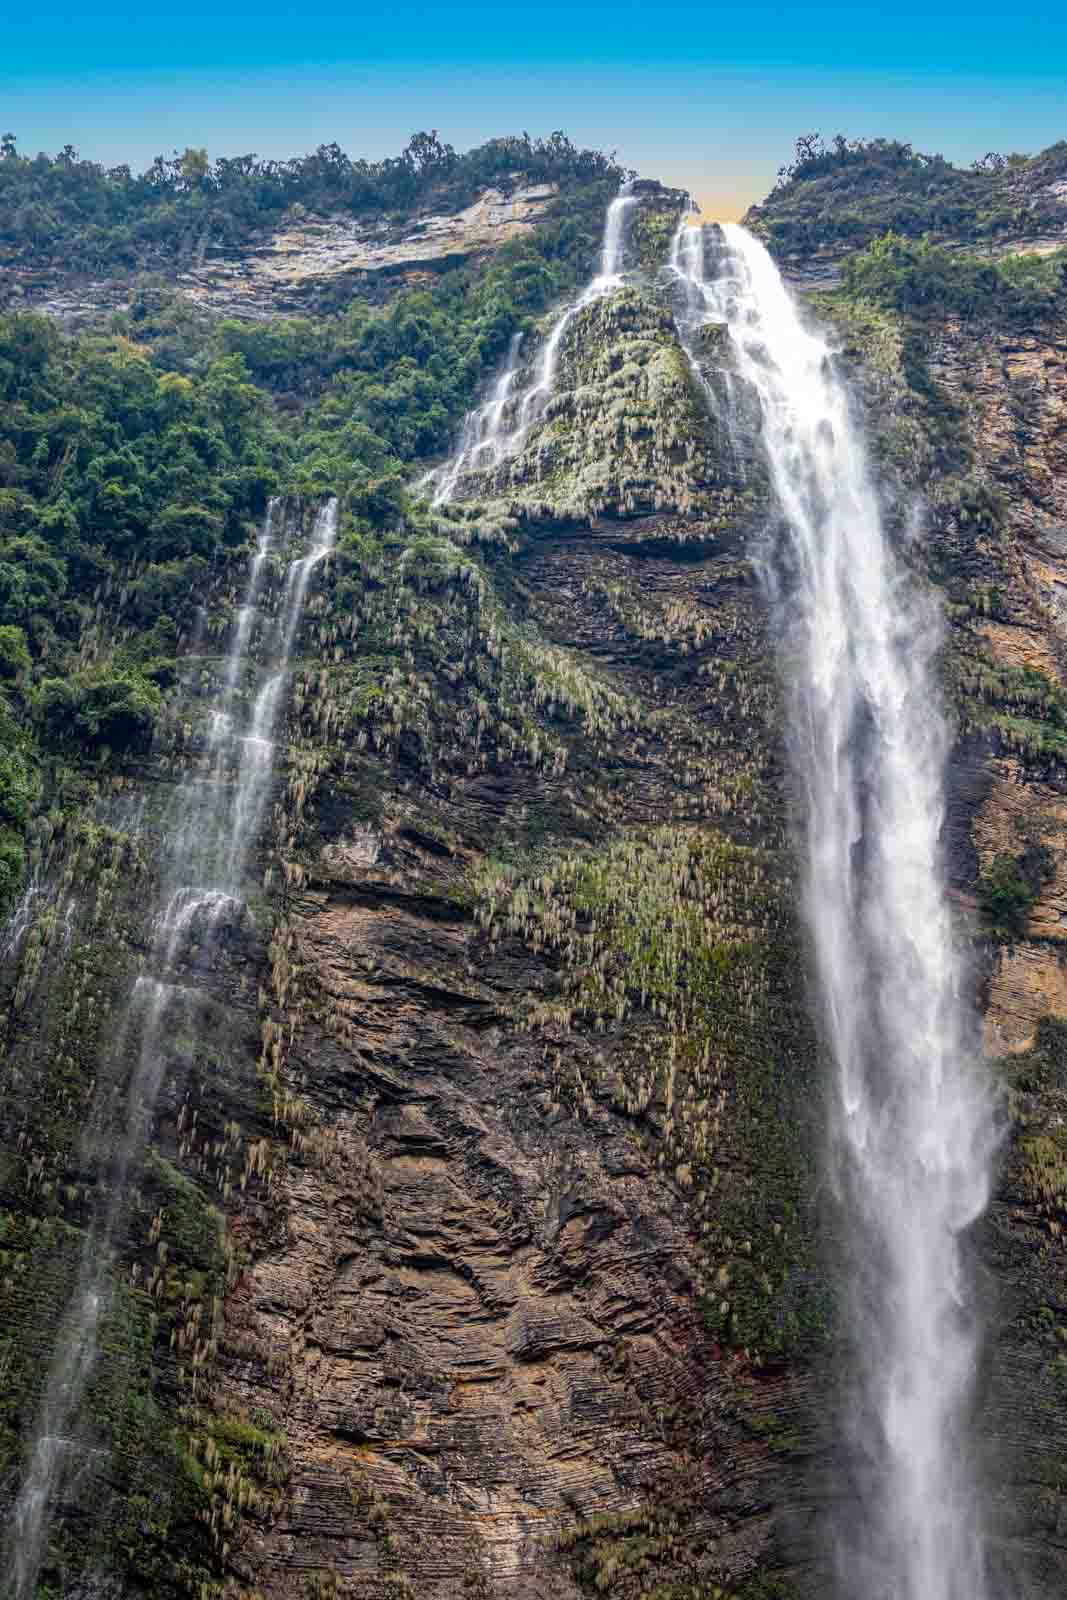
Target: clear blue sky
{"x":699,"y":96}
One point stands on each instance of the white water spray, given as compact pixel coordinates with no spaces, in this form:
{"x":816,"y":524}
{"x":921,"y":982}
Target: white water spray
{"x":20,"y":918}
{"x":498,"y":429}
{"x":257,"y":748}
{"x":608,"y":278}
{"x":209,"y":834}
{"x":911,"y":1118}
{"x":482,"y":444}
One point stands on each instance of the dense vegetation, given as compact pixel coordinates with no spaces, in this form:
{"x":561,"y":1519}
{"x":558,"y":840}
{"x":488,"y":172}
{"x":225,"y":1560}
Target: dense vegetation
{"x":920,"y":277}
{"x":146,"y":453}
{"x":1012,"y":885}
{"x":58,"y":209}
{"x":850,"y":192}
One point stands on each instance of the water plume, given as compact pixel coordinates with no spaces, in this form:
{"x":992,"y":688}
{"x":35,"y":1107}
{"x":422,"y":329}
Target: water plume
{"x":911,"y":1125}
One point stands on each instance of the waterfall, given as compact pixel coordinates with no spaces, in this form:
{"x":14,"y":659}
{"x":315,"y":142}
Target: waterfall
{"x":20,"y":917}
{"x":607,"y":279}
{"x":911,"y":1137}
{"x":498,"y":428}
{"x":482,"y":442}
{"x":613,"y":245}
{"x":209,"y":832}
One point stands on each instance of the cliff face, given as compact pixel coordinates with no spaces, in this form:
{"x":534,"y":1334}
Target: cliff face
{"x":836,"y":199}
{"x":538,"y":963}
{"x":310,"y":264}
{"x":503,"y":1088}
{"x":475,"y":1248}
{"x":972,"y":416}
{"x":1011,"y":389}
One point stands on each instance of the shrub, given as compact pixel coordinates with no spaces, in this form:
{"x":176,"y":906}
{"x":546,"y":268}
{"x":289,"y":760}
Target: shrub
{"x":14,"y":651}
{"x":1010,"y":887}
{"x":903,"y":275}
{"x":118,"y":709}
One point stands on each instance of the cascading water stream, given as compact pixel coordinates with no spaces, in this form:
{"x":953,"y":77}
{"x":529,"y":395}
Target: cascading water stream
{"x":208,"y":834}
{"x":482,"y":441}
{"x":607,"y":279}
{"x":498,"y":428}
{"x":911,"y":1137}
{"x":20,"y":917}
{"x":257,"y":750}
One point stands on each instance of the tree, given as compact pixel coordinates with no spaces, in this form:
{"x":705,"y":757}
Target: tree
{"x":427,"y":154}
{"x":194,"y":166}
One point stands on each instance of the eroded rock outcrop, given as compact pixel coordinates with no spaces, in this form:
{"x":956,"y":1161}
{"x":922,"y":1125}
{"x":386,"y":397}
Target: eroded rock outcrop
{"x":311,"y":264}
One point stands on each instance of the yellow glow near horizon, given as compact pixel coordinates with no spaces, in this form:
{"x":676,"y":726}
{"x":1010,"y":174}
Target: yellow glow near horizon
{"x":722,"y":195}
{"x":722,"y":205}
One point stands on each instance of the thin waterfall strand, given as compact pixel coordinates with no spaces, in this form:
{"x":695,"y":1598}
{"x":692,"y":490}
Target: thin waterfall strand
{"x":483,"y":440}
{"x":607,"y":279}
{"x":209,"y":834}
{"x":497,"y":429}
{"x":911,"y":1118}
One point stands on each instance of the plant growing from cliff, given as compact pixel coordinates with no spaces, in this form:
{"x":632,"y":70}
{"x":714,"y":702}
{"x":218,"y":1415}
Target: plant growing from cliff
{"x":669,"y":923}
{"x":919,"y":277}
{"x":19,"y":791}
{"x":1022,"y":705}
{"x":1044,"y":1175}
{"x":118,"y":709}
{"x":14,"y":652}
{"x":1010,"y":887}
{"x":233,"y":1471}
{"x":427,"y":660}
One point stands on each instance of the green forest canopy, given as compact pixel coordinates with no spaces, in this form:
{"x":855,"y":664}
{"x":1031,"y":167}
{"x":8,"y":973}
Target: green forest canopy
{"x":850,"y":191}
{"x":62,"y":208}
{"x":145,"y":452}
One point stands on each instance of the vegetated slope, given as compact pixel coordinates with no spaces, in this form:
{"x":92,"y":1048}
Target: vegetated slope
{"x":837,"y":198}
{"x":143,"y":455}
{"x":250,"y":238}
{"x":474,"y":1251}
{"x":65,"y":209}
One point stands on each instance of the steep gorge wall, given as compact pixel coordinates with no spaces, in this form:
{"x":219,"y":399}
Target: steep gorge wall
{"x":518,"y":1262}
{"x":507,"y":1088}
{"x":568,"y":1158}
{"x":972,"y":415}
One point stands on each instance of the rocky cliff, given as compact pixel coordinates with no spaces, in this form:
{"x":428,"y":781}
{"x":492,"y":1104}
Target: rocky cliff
{"x":476,"y":1248}
{"x":308,"y":264}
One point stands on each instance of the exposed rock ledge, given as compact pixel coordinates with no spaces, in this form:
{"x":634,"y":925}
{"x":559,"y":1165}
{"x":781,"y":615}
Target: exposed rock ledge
{"x":304,"y":265}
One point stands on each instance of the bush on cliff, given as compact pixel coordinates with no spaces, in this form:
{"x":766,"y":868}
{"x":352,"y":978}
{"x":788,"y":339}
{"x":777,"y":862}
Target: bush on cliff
{"x":118,"y":709}
{"x":1010,"y":887}
{"x":923,"y":279}
{"x":57,"y":209}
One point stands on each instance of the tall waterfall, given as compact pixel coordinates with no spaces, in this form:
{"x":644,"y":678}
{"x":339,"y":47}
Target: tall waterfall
{"x":208,"y":834}
{"x":498,"y":428}
{"x":911,"y":1118}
